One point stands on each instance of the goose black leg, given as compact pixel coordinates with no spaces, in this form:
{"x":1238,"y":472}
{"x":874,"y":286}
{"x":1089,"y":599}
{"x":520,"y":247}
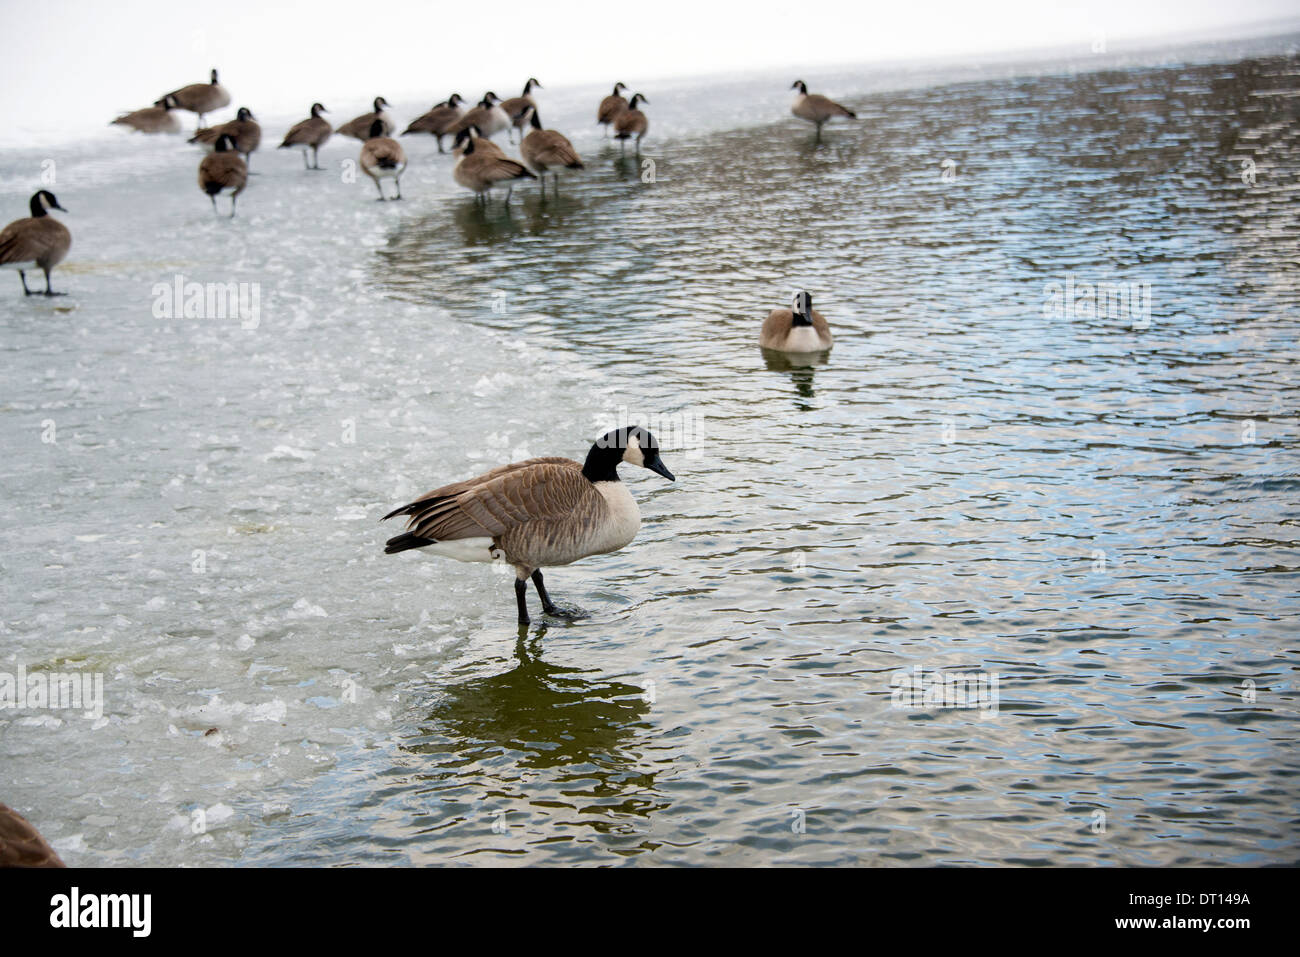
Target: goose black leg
{"x":398,"y":182}
{"x":521,"y":599}
{"x":213,"y":197}
{"x":48,"y":290}
{"x":23,"y":276}
{"x":548,"y":606}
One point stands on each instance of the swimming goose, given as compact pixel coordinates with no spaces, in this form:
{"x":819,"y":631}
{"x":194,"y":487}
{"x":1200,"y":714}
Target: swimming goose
{"x":439,"y":120}
{"x":801,"y":328}
{"x":631,"y":122}
{"x":223,"y":172}
{"x":516,"y":106}
{"x":535,"y":514}
{"x":309,"y":133}
{"x":21,"y":845}
{"x":383,"y":158}
{"x":152,"y":119}
{"x":36,"y":240}
{"x":201,"y":98}
{"x":816,"y":108}
{"x":359,"y":127}
{"x":487,"y":115}
{"x":610,"y":107}
{"x":544,"y":149}
{"x":480,"y":169}
{"x":243,"y":129}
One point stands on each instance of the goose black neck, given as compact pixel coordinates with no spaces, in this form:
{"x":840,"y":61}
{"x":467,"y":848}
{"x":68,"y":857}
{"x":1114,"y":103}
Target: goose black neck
{"x":602,"y":463}
{"x":801,"y":320}
{"x":37,"y":209}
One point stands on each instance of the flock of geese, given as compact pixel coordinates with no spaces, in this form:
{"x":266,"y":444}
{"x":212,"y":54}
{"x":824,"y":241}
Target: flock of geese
{"x":533,"y":514}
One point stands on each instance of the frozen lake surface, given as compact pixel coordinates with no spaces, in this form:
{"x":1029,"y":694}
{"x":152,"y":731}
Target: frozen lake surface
{"x":1098,"y":508}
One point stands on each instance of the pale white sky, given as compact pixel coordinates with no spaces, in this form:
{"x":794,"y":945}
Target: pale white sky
{"x":77,"y":63}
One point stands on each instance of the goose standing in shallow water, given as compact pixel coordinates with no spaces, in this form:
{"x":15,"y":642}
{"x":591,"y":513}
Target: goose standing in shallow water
{"x":800,"y":328}
{"x":37,"y":240}
{"x":223,"y":172}
{"x":516,"y":107}
{"x":544,"y":150}
{"x":535,"y":514}
{"x":610,"y":108}
{"x":158,"y":118}
{"x":440,"y":120}
{"x":383,"y":158}
{"x":816,"y":108}
{"x":310,"y":133}
{"x":482,"y":165}
{"x":201,"y":98}
{"x":631,"y":122}
{"x":359,"y":127}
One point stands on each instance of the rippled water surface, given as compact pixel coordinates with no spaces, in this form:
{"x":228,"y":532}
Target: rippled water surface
{"x":1100,"y":509}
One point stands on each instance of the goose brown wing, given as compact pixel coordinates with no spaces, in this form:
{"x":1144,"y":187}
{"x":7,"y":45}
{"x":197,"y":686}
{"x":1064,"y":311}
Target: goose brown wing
{"x":32,"y":240}
{"x":438,"y":496}
{"x":538,"y":492}
{"x":21,"y":845}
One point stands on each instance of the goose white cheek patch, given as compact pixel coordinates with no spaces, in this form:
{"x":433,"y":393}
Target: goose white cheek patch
{"x":633,"y":454}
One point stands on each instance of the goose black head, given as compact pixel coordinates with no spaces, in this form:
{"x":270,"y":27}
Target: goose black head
{"x":528,"y":87}
{"x":317,"y":109}
{"x":455,"y":100}
{"x":618,"y":88}
{"x":799,"y":85}
{"x":631,"y":444}
{"x":42,"y":202}
{"x":491,"y":98}
{"x":802,"y":309}
{"x":168,"y":102}
{"x":376,"y":129}
{"x":636,"y":98}
{"x":214,"y":76}
{"x":245,"y":114}
{"x":380,"y":104}
{"x":465,"y":140}
{"x":225,"y":143}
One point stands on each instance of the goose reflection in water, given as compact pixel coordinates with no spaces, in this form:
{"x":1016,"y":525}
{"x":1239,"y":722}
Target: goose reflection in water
{"x":497,"y":743}
{"x":801,"y":366}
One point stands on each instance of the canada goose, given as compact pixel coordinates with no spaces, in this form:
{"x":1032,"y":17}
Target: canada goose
{"x":309,"y":133}
{"x":610,"y":107}
{"x":816,"y":108}
{"x":439,"y":120}
{"x":36,"y":240}
{"x":243,"y":129}
{"x":21,"y":845}
{"x":535,"y":514}
{"x":223,"y":171}
{"x":632,"y":122}
{"x":201,"y":98}
{"x":801,"y":328}
{"x":516,"y":106}
{"x":544,"y":149}
{"x":152,"y":119}
{"x":359,"y":128}
{"x":481,"y":145}
{"x":479,"y":169}
{"x":487,"y":115}
{"x":383,"y":158}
